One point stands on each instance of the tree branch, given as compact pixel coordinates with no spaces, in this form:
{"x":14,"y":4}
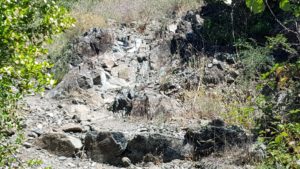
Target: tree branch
{"x":281,"y":24}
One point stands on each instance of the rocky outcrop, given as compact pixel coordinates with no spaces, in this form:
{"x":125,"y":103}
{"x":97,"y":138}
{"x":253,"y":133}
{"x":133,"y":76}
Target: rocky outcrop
{"x":92,"y":43}
{"x":160,"y":147}
{"x":123,"y":96}
{"x":113,"y":147}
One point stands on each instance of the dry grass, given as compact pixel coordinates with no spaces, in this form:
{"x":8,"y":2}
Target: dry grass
{"x":96,"y":13}
{"x":132,"y":10}
{"x":233,"y":104}
{"x":204,"y":104}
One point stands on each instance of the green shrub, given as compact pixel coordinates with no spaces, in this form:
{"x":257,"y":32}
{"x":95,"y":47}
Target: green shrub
{"x":279,"y":128}
{"x":255,"y":59}
{"x":279,"y":125}
{"x":225,"y":23}
{"x":24,"y":28}
{"x":241,"y":115}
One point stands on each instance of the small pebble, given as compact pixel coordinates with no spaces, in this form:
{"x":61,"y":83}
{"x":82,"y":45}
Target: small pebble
{"x":27,"y":145}
{"x":62,"y":158}
{"x":71,"y":165}
{"x":33,"y":134}
{"x":126,"y":161}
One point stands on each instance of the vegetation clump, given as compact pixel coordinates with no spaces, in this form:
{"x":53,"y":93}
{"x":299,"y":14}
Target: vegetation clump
{"x":25,"y":27}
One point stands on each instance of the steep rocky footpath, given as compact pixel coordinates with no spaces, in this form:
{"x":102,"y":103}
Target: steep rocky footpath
{"x":120,"y":105}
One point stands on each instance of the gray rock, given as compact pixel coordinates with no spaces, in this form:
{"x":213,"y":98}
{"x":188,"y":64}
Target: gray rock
{"x":172,"y":28}
{"x":158,"y":146}
{"x":32,"y":134}
{"x":123,"y":101}
{"x":126,"y":72}
{"x":234,"y":73}
{"x":126,"y":162}
{"x":97,"y":80}
{"x":257,"y":152}
{"x":108,"y":62}
{"x":145,"y":104}
{"x":213,"y":138}
{"x":105,"y":147}
{"x":59,"y":144}
{"x":27,"y":145}
{"x":199,"y":20}
{"x":84,"y":82}
{"x":75,"y":128}
{"x":215,"y":62}
{"x":93,"y":42}
{"x":62,"y":158}
{"x":78,"y":112}
{"x":71,"y":165}
{"x":213,"y":76}
{"x":229,"y":79}
{"x":38,"y":132}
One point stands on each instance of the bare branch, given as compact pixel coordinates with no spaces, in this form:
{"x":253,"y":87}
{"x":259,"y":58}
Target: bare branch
{"x":281,"y":24}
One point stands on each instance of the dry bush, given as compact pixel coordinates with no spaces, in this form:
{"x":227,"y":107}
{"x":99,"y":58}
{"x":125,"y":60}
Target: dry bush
{"x":133,"y":10}
{"x":204,"y":104}
{"x":85,"y":21}
{"x":234,"y":104}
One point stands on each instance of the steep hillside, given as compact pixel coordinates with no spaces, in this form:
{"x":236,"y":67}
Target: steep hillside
{"x":127,"y":101}
{"x":169,"y":84}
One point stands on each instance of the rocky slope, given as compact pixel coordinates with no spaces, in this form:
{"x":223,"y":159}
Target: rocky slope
{"x":121,"y":105}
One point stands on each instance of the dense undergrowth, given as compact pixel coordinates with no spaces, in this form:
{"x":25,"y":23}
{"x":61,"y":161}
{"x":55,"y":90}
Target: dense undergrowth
{"x":264,"y":36}
{"x":24,"y":29}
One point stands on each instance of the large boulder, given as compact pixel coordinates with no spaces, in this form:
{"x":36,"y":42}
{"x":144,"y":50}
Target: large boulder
{"x":59,"y":144}
{"x":159,"y":146}
{"x":123,"y":101}
{"x":215,"y":137}
{"x":92,"y":43}
{"x":105,"y":147}
{"x":84,"y":82}
{"x":213,"y":76}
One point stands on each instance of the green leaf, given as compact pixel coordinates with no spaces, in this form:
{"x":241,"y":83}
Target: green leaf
{"x":285,"y":5}
{"x":256,"y":6}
